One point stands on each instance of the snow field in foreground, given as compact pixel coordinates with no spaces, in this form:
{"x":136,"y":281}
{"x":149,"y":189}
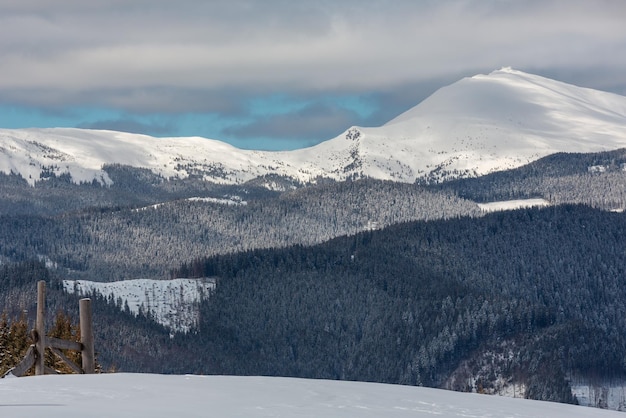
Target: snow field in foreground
{"x":143,"y":395}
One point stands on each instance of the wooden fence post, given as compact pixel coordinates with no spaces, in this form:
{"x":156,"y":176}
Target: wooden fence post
{"x":40,"y":328}
{"x":86,"y":336}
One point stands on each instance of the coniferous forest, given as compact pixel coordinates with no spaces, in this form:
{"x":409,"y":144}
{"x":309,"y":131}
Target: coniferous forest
{"x":409,"y":304}
{"x":361,"y":280}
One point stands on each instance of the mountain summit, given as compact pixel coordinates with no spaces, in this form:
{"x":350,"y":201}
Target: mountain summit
{"x":503,"y":120}
{"x":477,"y":125}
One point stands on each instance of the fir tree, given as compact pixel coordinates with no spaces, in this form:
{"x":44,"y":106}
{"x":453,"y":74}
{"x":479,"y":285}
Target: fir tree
{"x":65,"y":330}
{"x":4,"y":337}
{"x":14,"y":342}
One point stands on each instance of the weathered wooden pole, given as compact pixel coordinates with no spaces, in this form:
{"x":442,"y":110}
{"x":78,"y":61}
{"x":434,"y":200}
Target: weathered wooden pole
{"x":86,"y":336}
{"x":40,"y":328}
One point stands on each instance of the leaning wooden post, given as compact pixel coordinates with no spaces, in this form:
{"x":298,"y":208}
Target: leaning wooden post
{"x":86,"y":336}
{"x":40,"y":328}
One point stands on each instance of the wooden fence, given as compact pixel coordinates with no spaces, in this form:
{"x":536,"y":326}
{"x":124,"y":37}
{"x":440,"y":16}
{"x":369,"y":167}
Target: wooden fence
{"x":35,"y":353}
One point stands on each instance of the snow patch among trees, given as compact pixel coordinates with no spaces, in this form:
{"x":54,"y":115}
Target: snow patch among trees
{"x":512,"y":204}
{"x":172,"y":303}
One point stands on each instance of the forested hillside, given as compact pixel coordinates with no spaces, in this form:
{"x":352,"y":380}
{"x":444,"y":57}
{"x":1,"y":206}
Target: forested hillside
{"x":105,"y":244}
{"x":408,"y":304}
{"x":536,"y":294}
{"x":144,"y":225}
{"x":597,"y":180}
{"x":363,"y":280}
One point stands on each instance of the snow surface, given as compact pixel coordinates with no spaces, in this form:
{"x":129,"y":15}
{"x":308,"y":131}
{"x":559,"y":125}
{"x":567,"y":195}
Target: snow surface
{"x":512,"y":204}
{"x":143,"y":395}
{"x":604,"y":394}
{"x":228,"y":201}
{"x":477,"y":125}
{"x":172,"y":303}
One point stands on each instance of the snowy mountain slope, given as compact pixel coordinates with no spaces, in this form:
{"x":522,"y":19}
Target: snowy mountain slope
{"x":486,"y":123}
{"x":509,"y":118}
{"x":133,"y":395}
{"x":475,"y":126}
{"x":82,"y":153}
{"x":172,"y":303}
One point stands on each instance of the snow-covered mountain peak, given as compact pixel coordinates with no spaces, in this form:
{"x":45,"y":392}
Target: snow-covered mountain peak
{"x":503,"y":94}
{"x":506,"y":119}
{"x":477,"y":125}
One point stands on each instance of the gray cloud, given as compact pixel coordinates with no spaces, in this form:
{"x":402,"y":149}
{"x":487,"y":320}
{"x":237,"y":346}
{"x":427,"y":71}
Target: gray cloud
{"x":141,"y":100}
{"x":189,"y":56}
{"x":76,"y":46}
{"x":314,"y":122}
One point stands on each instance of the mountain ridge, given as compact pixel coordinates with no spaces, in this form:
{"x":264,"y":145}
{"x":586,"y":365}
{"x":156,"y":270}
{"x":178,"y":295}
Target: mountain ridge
{"x":476,"y":126}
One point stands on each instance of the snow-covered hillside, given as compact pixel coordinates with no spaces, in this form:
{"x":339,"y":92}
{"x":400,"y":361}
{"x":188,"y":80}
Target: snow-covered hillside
{"x":477,"y":125}
{"x":503,"y":120}
{"x":153,"y":396}
{"x":172,"y":303}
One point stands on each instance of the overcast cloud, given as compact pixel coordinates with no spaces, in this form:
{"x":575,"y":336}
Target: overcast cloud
{"x":209,"y":61}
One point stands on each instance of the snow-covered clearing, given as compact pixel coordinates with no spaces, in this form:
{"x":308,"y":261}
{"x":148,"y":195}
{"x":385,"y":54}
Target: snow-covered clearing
{"x":143,"y":395}
{"x":172,"y":303}
{"x":227,"y":200}
{"x":512,"y":204}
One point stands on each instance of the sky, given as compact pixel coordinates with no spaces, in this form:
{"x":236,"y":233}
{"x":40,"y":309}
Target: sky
{"x":282,"y":74}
